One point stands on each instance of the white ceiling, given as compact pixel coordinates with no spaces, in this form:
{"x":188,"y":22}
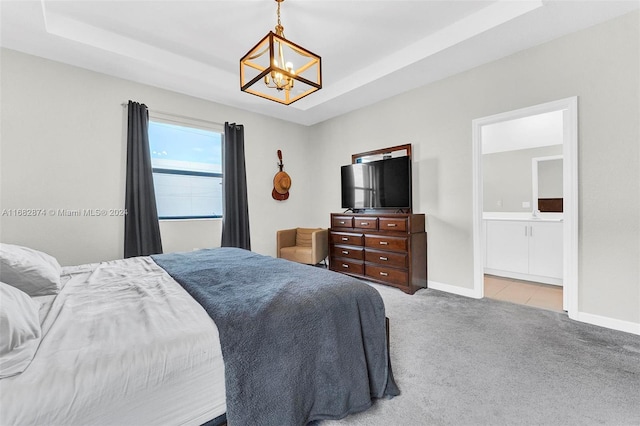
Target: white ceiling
{"x":370,"y":50}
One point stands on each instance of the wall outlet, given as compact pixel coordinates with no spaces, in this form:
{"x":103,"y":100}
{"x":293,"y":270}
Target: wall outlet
{"x":526,"y":204}
{"x":499,"y":203}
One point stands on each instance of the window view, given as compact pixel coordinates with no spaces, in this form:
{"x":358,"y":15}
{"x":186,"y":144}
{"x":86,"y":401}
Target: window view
{"x":187,"y":170}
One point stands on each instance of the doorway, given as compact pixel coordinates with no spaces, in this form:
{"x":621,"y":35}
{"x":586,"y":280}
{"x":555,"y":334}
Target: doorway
{"x":527,"y":206}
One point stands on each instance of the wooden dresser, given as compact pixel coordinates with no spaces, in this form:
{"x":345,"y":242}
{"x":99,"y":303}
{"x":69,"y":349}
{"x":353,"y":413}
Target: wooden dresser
{"x":388,"y":248}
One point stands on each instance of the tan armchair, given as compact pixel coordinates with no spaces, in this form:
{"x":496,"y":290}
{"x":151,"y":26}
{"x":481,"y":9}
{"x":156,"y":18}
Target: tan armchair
{"x":303,"y":245}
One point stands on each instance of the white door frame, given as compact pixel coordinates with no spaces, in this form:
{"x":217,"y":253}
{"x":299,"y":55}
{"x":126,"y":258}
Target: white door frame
{"x":569,"y":106}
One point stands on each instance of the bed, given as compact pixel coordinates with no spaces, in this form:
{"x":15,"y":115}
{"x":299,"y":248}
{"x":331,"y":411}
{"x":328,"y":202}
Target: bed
{"x":131,"y":342}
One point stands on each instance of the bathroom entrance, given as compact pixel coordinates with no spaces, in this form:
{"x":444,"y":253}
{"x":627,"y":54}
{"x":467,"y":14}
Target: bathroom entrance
{"x":525,"y":206}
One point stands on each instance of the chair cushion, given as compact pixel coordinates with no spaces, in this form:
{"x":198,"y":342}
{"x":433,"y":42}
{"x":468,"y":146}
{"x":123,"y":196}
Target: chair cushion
{"x":303,"y":236}
{"x":297,"y":254}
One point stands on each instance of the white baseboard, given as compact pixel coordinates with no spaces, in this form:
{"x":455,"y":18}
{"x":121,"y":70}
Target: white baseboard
{"x":612,"y":323}
{"x":461,"y":291}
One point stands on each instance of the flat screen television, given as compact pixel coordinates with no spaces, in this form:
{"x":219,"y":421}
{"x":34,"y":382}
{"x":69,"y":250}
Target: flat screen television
{"x":382,"y":184}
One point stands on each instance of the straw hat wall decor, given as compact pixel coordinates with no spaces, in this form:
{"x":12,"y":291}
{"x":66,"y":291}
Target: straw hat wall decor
{"x":281,"y":182}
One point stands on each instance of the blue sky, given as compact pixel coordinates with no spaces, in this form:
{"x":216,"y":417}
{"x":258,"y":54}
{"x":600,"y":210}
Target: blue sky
{"x":179,"y":143}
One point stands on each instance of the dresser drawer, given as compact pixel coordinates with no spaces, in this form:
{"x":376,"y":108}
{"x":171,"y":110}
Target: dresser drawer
{"x":389,"y":275}
{"x":350,"y":252}
{"x":386,"y":242}
{"x":342,"y":221}
{"x":348,"y":266}
{"x":398,"y":224}
{"x":365,"y":222}
{"x":346,"y":238}
{"x":386,"y":258}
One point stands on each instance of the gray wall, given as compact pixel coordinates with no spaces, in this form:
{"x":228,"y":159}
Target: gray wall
{"x":63,"y":146}
{"x":507,"y":180}
{"x":600,"y":65}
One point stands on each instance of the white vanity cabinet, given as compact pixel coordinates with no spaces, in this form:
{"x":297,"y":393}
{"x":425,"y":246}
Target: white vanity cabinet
{"x":524,"y":249}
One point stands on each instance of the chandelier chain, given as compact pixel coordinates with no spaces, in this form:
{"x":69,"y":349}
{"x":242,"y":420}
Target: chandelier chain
{"x":279,"y":27}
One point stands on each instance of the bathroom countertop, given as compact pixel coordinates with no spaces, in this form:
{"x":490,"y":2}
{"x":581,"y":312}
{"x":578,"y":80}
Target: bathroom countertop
{"x":540,"y":217}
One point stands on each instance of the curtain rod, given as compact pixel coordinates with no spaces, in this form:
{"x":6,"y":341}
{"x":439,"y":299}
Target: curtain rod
{"x":126,"y":104}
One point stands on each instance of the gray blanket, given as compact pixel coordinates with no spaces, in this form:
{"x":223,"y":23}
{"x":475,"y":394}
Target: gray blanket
{"x":299,"y":343}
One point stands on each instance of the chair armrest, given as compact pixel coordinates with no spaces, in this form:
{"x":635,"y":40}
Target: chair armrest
{"x":320,"y":244}
{"x":285,"y":238}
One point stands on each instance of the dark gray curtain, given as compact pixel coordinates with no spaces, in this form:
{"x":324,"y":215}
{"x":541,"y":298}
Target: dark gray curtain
{"x":141,"y":226}
{"x":235,"y":217}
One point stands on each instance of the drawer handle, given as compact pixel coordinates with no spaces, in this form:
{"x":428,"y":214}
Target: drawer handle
{"x":345,"y":238}
{"x":342,"y":222}
{"x":391,"y":225}
{"x":344,"y":265}
{"x":384,"y":243}
{"x":345,"y":252}
{"x":383,"y":258}
{"x":364,"y":223}
{"x":384,"y":274}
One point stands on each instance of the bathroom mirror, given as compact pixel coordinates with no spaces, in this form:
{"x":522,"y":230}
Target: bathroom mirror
{"x":382,"y":154}
{"x":547,"y":186}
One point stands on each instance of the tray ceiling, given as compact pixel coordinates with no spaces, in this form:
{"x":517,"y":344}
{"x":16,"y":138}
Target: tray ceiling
{"x":370,"y":50}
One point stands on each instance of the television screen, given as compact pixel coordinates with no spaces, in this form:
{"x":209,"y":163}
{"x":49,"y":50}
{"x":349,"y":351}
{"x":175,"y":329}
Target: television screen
{"x":382,"y":184}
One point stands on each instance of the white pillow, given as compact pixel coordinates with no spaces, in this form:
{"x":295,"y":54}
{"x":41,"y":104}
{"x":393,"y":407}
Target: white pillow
{"x":32,"y":271}
{"x":20,"y":331}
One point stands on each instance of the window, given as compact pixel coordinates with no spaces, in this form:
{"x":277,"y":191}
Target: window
{"x":187,"y":169}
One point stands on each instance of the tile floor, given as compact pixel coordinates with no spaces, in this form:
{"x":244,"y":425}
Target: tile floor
{"x":523,"y":292}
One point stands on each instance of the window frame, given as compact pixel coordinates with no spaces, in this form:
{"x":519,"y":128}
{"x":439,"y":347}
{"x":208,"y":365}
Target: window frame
{"x":179,"y":120}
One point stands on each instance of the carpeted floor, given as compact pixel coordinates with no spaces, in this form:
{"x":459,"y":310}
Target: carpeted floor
{"x":462,"y":361}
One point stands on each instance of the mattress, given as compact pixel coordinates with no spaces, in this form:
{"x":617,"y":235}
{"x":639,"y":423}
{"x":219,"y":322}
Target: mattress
{"x":123,"y":343}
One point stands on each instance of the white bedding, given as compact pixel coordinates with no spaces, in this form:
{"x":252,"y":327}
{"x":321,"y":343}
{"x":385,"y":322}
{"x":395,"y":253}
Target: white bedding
{"x":123,"y":344}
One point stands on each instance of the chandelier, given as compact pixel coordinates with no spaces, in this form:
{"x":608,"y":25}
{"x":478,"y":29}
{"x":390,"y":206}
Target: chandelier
{"x":280,"y":70}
